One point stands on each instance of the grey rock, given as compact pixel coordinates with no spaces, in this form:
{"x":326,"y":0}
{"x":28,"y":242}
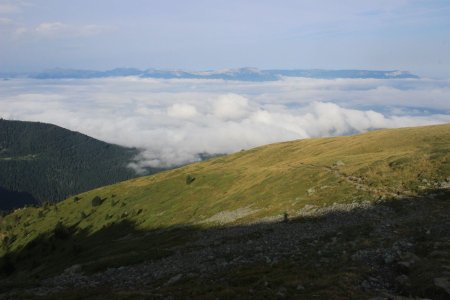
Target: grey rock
{"x":389,"y":258}
{"x":366,"y":285}
{"x":403,"y":280}
{"x":282,"y":292}
{"x":73,"y":270}
{"x":443,"y":283}
{"x":174,"y":279}
{"x":339,"y":163}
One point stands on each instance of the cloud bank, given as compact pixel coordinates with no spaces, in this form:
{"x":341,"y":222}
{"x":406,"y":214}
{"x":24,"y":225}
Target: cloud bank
{"x":173,"y":121}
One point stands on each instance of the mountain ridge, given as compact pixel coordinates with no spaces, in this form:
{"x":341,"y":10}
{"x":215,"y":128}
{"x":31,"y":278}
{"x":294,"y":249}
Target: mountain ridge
{"x":44,"y":163}
{"x":242,"y":74}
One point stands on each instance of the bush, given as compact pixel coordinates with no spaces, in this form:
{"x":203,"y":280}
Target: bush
{"x":76,"y":199}
{"x":96,"y":201}
{"x":61,"y":232}
{"x":189,"y":179}
{"x":5,"y":242}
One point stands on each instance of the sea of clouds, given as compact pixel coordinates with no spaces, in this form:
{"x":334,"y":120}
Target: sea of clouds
{"x":174,"y":120}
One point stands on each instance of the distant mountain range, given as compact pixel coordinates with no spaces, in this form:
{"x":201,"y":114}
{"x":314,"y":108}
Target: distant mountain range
{"x":241,"y":74}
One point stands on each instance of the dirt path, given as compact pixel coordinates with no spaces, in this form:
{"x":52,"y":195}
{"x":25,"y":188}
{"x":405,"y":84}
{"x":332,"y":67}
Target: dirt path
{"x":357,"y":182}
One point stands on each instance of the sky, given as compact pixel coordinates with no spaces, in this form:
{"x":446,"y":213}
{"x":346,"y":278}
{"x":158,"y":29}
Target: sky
{"x":173,"y":120}
{"x":411,"y":35}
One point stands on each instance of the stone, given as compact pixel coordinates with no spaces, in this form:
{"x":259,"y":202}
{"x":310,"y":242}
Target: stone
{"x":339,"y":163}
{"x":311,"y":191}
{"x":282,"y":292}
{"x":389,"y":258}
{"x":404,"y":266}
{"x":409,"y":260}
{"x":73,"y":270}
{"x":443,"y":283}
{"x":438,"y":254}
{"x":365,"y":285}
{"x":402,"y":280}
{"x":174,"y":279}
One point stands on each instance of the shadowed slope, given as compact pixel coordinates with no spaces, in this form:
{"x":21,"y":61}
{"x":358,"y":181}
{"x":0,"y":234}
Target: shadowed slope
{"x":345,"y":251}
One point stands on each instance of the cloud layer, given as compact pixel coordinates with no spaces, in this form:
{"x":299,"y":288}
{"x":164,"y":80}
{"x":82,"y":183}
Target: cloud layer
{"x":175,"y":120}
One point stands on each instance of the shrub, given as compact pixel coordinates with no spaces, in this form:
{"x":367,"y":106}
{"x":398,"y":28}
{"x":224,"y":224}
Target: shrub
{"x":189,"y":179}
{"x":286,"y":217}
{"x":96,"y":201}
{"x":5,"y":242}
{"x":61,"y":232}
{"x":76,"y":199}
{"x":17,"y":218}
{"x":46,"y":205}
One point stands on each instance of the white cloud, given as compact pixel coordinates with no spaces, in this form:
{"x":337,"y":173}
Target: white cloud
{"x":182,"y":111}
{"x":5,"y":21}
{"x":231,"y":107}
{"x":175,"y":120}
{"x":9,"y":8}
{"x":50,"y":30}
{"x":58,"y":29}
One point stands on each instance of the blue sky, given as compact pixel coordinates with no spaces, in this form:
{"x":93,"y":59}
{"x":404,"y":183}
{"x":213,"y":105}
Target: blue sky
{"x":211,"y":34}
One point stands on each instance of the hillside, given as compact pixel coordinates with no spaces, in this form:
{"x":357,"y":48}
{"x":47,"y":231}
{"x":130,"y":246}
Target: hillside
{"x":339,"y":218}
{"x":42,"y":162}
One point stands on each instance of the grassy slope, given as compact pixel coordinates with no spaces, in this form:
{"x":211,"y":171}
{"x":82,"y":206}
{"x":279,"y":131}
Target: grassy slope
{"x":269,"y":180}
{"x":250,"y":185}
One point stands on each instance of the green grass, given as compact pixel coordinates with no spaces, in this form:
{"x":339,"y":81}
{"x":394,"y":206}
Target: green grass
{"x":267,"y":181}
